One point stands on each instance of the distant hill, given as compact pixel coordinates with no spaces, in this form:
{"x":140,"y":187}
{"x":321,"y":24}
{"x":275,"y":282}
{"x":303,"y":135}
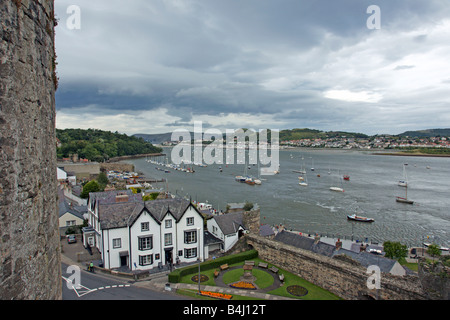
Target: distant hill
{"x":98,"y":145}
{"x":298,"y":134}
{"x":426,"y":133}
{"x":157,"y":138}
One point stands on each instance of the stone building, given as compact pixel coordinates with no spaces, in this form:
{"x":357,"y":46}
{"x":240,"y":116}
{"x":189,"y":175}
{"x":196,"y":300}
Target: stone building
{"x":30,"y":265}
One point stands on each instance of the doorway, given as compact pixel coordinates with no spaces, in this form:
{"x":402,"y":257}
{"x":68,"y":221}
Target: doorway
{"x":168,"y":256}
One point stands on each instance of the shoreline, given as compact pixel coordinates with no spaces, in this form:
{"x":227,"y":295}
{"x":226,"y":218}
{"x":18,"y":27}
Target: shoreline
{"x":407,"y":154}
{"x":135,"y":156}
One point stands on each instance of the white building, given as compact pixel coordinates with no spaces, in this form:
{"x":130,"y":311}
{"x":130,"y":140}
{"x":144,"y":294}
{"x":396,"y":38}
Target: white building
{"x":227,"y":227}
{"x":143,"y":235}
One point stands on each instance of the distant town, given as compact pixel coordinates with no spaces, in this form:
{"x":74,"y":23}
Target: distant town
{"x":376,"y":142}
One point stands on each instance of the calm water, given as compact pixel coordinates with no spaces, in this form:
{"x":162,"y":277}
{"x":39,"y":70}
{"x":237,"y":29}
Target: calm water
{"x":371,"y":192}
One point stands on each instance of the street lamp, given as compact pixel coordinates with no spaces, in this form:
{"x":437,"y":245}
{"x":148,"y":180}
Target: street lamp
{"x":198,"y":257}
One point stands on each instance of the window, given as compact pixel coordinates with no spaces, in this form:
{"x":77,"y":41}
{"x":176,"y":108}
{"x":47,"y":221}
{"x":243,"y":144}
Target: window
{"x":190,"y":236}
{"x":145,"y":243}
{"x":190,"y":253}
{"x":168,"y":223}
{"x":190,"y":221}
{"x":145,"y":260}
{"x":214,"y":230}
{"x":145,"y":226}
{"x":70,"y":223}
{"x":168,"y":239}
{"x":117,"y":243}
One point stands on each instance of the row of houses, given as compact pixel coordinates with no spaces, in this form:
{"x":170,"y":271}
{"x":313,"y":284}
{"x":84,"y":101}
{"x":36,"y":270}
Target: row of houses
{"x":143,"y":235}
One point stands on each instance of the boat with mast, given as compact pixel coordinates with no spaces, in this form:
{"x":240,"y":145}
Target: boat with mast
{"x":404,"y":199}
{"x":338,"y":189}
{"x":404,"y":182}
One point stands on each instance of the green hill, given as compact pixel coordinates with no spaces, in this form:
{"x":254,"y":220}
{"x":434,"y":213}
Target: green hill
{"x":297,"y":134}
{"x":98,"y":145}
{"x":426,"y":133}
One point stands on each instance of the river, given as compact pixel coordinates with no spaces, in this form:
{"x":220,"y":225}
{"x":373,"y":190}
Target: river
{"x":370,"y":192}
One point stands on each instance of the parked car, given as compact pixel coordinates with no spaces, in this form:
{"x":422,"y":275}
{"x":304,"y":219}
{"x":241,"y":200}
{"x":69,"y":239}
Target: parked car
{"x":71,"y":239}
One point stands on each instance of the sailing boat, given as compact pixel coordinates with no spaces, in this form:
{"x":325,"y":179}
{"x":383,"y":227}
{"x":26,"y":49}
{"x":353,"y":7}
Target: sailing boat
{"x":405,"y":199}
{"x":302,"y":170}
{"x":403,"y":183}
{"x":303,"y":181}
{"x":337,"y":188}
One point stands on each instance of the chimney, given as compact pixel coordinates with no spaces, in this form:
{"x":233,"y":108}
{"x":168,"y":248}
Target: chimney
{"x":122,"y":198}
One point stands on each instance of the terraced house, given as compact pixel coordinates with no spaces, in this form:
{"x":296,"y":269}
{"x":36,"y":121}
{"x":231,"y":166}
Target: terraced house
{"x":143,"y":235}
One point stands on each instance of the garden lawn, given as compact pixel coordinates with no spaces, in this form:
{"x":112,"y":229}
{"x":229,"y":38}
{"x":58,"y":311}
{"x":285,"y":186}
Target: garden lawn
{"x":265,"y":279}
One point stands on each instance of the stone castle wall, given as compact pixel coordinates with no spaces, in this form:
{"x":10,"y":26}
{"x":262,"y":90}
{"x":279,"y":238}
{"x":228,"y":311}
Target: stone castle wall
{"x":345,"y":279}
{"x":30,"y":266}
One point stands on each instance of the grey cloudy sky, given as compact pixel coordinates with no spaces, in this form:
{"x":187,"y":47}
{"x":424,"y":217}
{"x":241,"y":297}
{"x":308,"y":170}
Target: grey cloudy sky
{"x":152,"y":66}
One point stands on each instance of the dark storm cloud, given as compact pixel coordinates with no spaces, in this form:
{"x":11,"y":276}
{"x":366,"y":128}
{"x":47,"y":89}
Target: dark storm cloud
{"x":296,"y":63}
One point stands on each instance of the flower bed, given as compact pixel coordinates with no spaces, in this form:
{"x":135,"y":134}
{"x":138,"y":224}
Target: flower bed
{"x":216,"y":295}
{"x":296,"y":290}
{"x":243,"y":285}
{"x":203,"y":278}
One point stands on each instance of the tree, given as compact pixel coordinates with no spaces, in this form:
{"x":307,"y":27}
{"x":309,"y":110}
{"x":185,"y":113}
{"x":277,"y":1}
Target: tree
{"x":91,"y":186}
{"x":433,"y":250}
{"x":102,"y":180}
{"x":395,"y":250}
{"x":248,"y":206}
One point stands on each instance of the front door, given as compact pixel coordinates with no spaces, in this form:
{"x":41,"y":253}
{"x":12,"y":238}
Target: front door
{"x":123,"y":261}
{"x":169,"y":256}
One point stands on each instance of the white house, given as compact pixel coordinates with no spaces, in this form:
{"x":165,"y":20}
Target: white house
{"x":227,"y":227}
{"x":143,"y":235}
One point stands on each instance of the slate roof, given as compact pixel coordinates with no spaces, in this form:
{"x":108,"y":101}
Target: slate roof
{"x":265,"y":230}
{"x":122,"y":214}
{"x":209,"y":238}
{"x":77,"y":211}
{"x":229,"y":222}
{"x":367,"y":259}
{"x":364,"y":258}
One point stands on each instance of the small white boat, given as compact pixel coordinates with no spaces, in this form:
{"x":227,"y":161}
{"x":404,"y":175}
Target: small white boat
{"x":359,"y":218}
{"x":336,"y":189}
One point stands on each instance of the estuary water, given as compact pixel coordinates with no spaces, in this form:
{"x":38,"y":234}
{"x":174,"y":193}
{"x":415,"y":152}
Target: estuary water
{"x":371,"y":192}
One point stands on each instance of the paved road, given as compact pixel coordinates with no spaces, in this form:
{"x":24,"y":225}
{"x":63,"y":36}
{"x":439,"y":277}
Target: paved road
{"x":100,"y":287}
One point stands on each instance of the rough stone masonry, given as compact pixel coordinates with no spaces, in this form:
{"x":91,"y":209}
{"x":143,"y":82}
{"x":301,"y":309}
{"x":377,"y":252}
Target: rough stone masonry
{"x":29,"y":240}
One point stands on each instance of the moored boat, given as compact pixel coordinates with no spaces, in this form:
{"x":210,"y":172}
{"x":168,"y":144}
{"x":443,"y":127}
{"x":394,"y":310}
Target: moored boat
{"x":359,"y":218}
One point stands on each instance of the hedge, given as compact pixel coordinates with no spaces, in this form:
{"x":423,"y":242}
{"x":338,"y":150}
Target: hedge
{"x":174,"y":277}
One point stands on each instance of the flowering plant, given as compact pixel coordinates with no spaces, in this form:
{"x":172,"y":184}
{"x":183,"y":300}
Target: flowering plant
{"x":243,"y":285}
{"x":216,"y":295}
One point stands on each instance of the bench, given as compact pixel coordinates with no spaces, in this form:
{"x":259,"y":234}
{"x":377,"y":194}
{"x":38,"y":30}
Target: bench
{"x":249,"y":263}
{"x":262,"y":265}
{"x":273,"y":269}
{"x":281,"y":276}
{"x":224,"y":266}
{"x":216,"y":273}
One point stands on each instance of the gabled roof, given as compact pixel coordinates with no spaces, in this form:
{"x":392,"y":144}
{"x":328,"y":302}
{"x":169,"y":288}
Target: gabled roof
{"x":123,"y":214}
{"x":77,"y":211}
{"x":230,"y":222}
